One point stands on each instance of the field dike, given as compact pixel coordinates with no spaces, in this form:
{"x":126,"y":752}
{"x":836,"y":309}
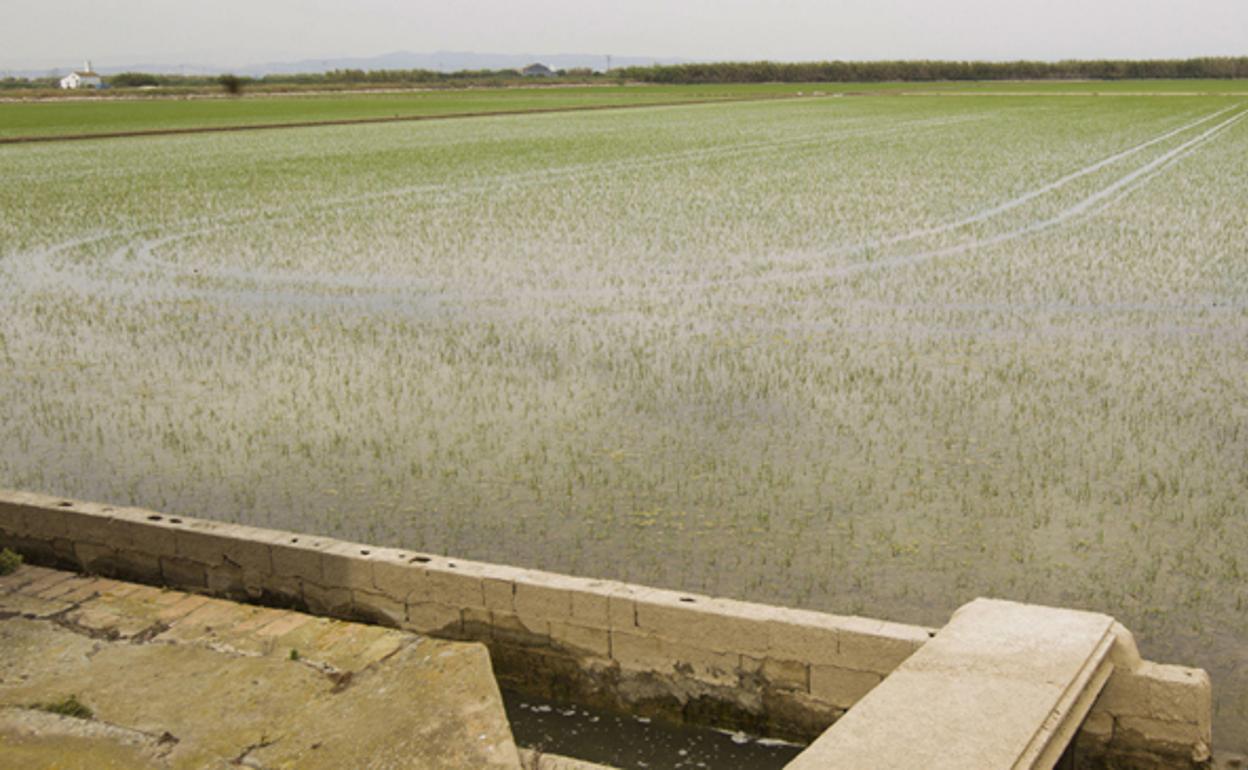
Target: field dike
{"x":689,"y":658}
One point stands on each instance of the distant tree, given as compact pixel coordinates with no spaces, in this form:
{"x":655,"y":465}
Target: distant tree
{"x":232,"y":84}
{"x":133,"y":80}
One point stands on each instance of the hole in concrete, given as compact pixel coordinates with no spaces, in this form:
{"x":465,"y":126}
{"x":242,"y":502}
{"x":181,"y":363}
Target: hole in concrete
{"x":420,"y":559}
{"x":364,"y":553}
{"x":65,"y":504}
{"x":687,"y":599}
{"x":931,"y":634}
{"x":451,"y":564}
{"x":155,"y":518}
{"x":175,"y":521}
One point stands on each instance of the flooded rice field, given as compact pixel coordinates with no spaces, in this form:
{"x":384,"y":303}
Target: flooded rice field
{"x":871,"y":355}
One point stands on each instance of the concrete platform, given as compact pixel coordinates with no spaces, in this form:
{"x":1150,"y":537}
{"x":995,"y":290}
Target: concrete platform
{"x":1003,"y":685}
{"x":175,"y":680}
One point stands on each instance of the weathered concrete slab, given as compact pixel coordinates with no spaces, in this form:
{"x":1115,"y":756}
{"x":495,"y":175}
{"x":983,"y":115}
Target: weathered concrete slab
{"x":1002,"y":686}
{"x":179,"y":681}
{"x":36,"y":739}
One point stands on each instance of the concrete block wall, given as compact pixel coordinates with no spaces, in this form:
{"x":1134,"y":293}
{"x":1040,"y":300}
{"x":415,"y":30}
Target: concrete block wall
{"x":783,"y":672}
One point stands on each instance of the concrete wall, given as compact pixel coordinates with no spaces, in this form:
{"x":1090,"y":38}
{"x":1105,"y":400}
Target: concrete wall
{"x":783,"y":672}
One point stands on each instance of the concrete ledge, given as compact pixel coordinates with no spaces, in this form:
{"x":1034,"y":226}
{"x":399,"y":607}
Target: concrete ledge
{"x":1008,"y":685}
{"x":784,"y":672}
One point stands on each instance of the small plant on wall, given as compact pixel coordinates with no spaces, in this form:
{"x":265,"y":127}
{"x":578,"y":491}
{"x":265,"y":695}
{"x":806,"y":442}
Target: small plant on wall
{"x":9,"y":561}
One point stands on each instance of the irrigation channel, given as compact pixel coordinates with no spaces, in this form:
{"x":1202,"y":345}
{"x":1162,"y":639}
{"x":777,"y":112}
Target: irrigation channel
{"x":627,"y":741}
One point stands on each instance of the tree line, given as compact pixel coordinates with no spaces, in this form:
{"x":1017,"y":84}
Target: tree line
{"x":334,"y":78}
{"x":712,"y":72}
{"x":911,"y":70}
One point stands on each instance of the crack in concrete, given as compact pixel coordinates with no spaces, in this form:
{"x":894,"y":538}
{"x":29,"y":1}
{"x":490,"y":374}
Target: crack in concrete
{"x":163,"y":743}
{"x":148,"y":634}
{"x":62,"y":619}
{"x":244,"y":760}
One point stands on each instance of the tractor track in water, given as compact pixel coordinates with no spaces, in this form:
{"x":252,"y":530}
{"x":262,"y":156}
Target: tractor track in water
{"x":133,"y":254}
{"x":1088,"y":206}
{"x":378,"y":292}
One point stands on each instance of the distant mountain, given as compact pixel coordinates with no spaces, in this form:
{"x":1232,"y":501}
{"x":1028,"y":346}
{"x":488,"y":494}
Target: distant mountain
{"x":442,"y":61}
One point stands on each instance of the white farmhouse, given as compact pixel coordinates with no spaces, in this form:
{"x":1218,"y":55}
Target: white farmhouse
{"x":86,"y":78}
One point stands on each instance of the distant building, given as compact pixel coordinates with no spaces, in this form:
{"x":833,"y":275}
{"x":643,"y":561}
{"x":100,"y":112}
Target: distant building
{"x":537,"y":71}
{"x":85,"y":78}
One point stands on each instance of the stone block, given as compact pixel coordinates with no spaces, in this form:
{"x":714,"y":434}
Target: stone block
{"x":717,"y":668}
{"x":183,"y":573}
{"x":92,"y":528}
{"x":226,"y":580}
{"x":520,"y":631}
{"x":61,"y":550}
{"x":500,"y":592}
{"x":298,"y":556}
{"x":785,"y":674}
{"x":132,"y":531}
{"x":95,"y":559}
{"x":720,"y":625}
{"x":37,"y":551}
{"x":212,"y":544}
{"x":13,"y":517}
{"x":875,"y":645}
{"x":581,"y":640}
{"x":454,"y":584}
{"x":841,"y":687}
{"x":591,"y":605}
{"x":395,"y":575}
{"x":478,"y":625}
{"x":378,"y":608}
{"x":347,"y":566}
{"x":639,"y":651}
{"x":281,"y":589}
{"x":1124,"y":694}
{"x":434,"y":619}
{"x":622,"y":606}
{"x":333,"y":601}
{"x":1096,"y":732}
{"x":139,"y":565}
{"x":541,"y":595}
{"x":1178,"y":694}
{"x":33,"y":520}
{"x":798,"y":635}
{"x":1158,"y":736}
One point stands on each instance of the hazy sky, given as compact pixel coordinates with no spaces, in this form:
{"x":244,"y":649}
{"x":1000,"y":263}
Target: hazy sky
{"x":44,"y":33}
